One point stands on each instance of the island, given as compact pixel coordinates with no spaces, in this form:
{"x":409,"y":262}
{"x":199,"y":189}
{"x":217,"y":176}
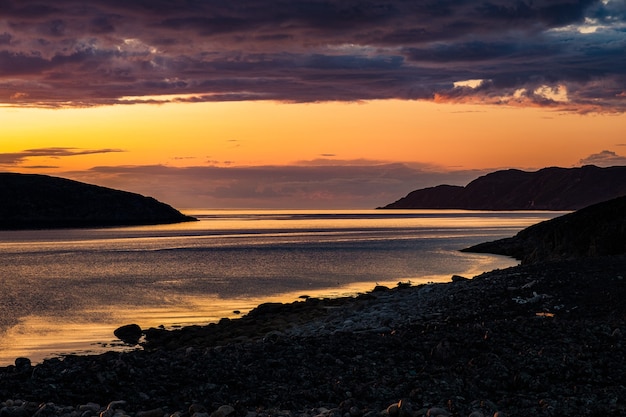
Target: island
{"x":554,"y":188}
{"x":31,"y":201}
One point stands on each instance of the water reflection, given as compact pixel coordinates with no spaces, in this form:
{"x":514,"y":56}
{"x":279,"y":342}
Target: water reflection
{"x":67,"y":290}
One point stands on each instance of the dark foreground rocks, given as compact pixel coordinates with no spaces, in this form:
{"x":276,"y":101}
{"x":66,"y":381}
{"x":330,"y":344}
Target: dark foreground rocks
{"x":538,"y":340}
{"x":597,"y":230}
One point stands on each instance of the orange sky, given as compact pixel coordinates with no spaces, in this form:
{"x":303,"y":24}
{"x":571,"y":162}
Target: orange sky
{"x":429,"y":137}
{"x":308,"y":103}
{"x":269,"y":133}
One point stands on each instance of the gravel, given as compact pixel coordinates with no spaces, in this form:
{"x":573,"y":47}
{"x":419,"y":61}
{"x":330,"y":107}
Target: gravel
{"x":535,"y":340}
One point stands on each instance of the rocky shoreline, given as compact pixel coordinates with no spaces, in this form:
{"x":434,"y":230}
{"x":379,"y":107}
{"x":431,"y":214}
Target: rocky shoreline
{"x":534,"y":340}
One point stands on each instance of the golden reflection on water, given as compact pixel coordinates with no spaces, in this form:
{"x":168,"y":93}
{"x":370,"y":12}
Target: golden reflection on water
{"x":310,"y":219}
{"x":39,"y":338}
{"x":91,"y":331}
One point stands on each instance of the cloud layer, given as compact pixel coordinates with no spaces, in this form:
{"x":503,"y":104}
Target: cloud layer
{"x":363,"y":184}
{"x":319,"y":183}
{"x":314,"y":184}
{"x":566,"y":54}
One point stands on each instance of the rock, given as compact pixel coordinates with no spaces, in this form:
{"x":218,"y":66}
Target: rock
{"x":13,"y":411}
{"x":226,"y":410}
{"x":130,"y":333}
{"x":355,"y":411}
{"x":22,"y":364}
{"x":223,"y":411}
{"x":46,"y":410}
{"x":112,"y":408}
{"x":437,"y":412}
{"x":196,"y":408}
{"x":393,"y":410}
{"x":443,"y":351}
{"x":89,"y":407}
{"x":405,"y":408}
{"x":157,"y":412}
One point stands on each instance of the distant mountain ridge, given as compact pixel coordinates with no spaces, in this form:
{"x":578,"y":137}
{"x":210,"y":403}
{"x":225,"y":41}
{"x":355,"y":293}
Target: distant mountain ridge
{"x":594,"y":231}
{"x":29,"y":201}
{"x":547,"y":189}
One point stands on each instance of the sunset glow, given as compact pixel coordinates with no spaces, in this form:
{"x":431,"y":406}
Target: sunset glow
{"x":307,"y":108}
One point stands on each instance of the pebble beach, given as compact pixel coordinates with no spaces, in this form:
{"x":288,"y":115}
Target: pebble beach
{"x":534,"y":340}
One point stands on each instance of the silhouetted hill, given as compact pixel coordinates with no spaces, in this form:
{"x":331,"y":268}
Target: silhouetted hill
{"x":546,"y":189}
{"x":597,"y":230}
{"x":40,"y":201}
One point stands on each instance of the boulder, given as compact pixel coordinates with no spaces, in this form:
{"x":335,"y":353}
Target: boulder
{"x":130,"y":333}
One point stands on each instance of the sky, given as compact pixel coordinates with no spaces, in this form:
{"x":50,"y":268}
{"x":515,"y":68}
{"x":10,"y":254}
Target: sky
{"x":307,"y":103}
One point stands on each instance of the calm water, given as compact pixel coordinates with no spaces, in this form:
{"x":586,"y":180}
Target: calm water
{"x":65,"y":291}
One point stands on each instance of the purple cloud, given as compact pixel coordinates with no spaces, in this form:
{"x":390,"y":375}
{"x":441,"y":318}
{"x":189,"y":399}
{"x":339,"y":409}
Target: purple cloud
{"x":342,"y":185}
{"x":604,"y":159}
{"x":17,"y":158}
{"x":74,"y":53}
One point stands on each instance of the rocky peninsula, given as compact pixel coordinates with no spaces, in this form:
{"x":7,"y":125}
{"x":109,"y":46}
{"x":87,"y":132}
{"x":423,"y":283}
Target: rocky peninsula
{"x":596,"y":230}
{"x":43,"y":202}
{"x":545,"y":338}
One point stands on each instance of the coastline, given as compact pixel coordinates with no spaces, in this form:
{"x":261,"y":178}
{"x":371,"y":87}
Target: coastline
{"x":133,"y":274}
{"x":41,"y":339}
{"x":538,"y":340}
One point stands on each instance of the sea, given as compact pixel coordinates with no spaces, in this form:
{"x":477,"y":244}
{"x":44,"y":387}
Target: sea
{"x":65,"y":291}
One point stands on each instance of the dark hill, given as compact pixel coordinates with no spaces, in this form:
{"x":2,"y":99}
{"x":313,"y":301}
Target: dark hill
{"x":546,"y":189}
{"x":597,"y":230}
{"x":43,"y":202}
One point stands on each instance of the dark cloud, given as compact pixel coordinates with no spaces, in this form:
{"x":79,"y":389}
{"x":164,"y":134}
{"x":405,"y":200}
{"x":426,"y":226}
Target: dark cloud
{"x":17,"y":158}
{"x":5,"y":38}
{"x":75,"y":53}
{"x":551,"y":14}
{"x":604,"y":159}
{"x":29,"y":10}
{"x":345,"y":184}
{"x":13,"y":64}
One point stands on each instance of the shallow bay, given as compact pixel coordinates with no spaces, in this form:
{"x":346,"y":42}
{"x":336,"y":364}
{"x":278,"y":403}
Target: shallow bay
{"x":65,"y":291}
